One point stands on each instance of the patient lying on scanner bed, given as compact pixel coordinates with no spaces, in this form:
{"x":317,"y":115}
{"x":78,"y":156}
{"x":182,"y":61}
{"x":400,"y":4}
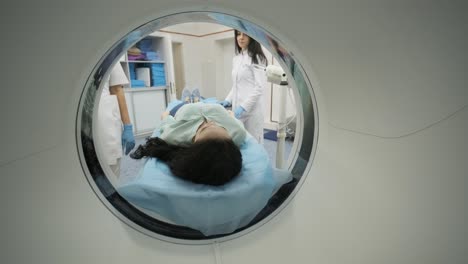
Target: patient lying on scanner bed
{"x":213,"y":191}
{"x":200,"y":143}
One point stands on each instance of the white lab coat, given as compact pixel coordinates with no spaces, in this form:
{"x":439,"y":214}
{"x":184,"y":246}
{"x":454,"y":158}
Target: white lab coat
{"x":247,"y":90}
{"x":109,"y":123}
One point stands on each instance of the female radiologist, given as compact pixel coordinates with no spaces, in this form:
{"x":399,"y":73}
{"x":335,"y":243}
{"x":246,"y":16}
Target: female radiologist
{"x":114,"y":126}
{"x":247,"y":92}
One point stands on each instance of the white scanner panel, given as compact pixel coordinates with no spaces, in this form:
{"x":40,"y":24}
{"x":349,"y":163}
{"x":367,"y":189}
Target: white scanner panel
{"x":388,"y":180}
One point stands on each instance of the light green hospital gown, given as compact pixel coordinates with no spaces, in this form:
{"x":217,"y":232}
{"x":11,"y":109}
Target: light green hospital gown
{"x":181,"y":128}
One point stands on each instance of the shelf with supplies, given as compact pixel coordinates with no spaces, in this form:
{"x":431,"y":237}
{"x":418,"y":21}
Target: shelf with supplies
{"x":145,"y":62}
{"x":134,"y":90}
{"x":146,"y":74}
{"x":148,"y":66}
{"x":136,"y":61}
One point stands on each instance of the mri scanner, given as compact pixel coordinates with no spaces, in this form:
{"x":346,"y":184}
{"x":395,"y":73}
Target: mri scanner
{"x":381,"y":153}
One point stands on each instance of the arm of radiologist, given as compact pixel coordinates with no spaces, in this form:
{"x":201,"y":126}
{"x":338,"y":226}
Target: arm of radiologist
{"x":128,"y":140}
{"x":118,"y":91}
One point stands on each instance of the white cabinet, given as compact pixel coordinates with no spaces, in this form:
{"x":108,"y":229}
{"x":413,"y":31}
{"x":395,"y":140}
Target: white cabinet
{"x":145,"y":106}
{"x":151,"y":81}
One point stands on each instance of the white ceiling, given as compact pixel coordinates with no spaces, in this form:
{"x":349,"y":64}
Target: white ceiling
{"x":196,"y":28}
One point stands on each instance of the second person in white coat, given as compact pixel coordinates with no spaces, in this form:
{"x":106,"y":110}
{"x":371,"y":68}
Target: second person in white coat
{"x":249,"y":82}
{"x":114,"y":126}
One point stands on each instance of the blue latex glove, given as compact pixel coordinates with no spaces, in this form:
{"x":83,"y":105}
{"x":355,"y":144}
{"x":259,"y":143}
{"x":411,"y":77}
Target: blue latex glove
{"x":225,"y":103}
{"x":128,"y":141}
{"x":238,"y":111}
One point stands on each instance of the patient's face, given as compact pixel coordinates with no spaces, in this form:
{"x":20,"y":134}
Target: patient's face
{"x":209,"y":130}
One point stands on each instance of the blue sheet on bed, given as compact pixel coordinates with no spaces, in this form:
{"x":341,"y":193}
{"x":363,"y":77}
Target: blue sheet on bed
{"x":210,"y":209}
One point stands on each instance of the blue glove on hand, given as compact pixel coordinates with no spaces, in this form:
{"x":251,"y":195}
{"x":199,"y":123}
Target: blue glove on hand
{"x":128,"y":141}
{"x":225,"y":103}
{"x":239,"y":111}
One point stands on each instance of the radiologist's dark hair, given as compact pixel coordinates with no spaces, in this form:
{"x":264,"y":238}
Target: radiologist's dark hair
{"x":211,"y":161}
{"x":254,"y":49}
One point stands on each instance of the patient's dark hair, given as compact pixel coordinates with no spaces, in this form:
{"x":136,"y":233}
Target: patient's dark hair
{"x":212,"y":161}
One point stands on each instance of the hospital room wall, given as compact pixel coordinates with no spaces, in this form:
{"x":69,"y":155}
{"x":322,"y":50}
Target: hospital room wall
{"x":199,"y":61}
{"x":192,"y":60}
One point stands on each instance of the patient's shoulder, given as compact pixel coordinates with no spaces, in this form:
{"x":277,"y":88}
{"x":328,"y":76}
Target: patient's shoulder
{"x":213,"y":108}
{"x":188,"y":110}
